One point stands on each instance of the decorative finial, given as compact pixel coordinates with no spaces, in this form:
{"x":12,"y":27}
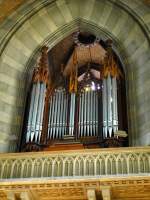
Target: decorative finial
{"x":41,"y":73}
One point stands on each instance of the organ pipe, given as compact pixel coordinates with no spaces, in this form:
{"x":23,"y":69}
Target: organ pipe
{"x":58,"y":110}
{"x":88,"y":116}
{"x":72,"y":114}
{"x":66,"y":114}
{"x":40,"y":111}
{"x":29,"y":123}
{"x":109,"y":104}
{"x":96,"y":106}
{"x":94,"y":111}
{"x":90,"y":111}
{"x":81,"y":114}
{"x":79,"y":117}
{"x":115,"y":109}
{"x":60,"y":114}
{"x":104,"y":97}
{"x":36,"y":109}
{"x":110,"y":73}
{"x":85,"y":113}
{"x":57,"y":114}
{"x":52,"y":125}
{"x":50,"y":122}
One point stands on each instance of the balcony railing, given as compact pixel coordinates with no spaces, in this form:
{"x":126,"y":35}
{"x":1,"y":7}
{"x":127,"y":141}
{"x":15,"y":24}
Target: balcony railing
{"x":95,"y":162}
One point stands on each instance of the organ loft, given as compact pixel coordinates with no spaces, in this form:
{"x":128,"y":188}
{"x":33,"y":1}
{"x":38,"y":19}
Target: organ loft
{"x":77,"y":97}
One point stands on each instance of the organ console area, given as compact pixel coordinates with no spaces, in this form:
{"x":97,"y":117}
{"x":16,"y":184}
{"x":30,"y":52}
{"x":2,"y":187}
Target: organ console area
{"x":79,"y":104}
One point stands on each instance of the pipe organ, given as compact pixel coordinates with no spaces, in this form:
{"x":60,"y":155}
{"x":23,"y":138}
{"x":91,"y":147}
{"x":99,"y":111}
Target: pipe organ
{"x":110,"y":110}
{"x":57,"y":125}
{"x":110,"y":74}
{"x":74,"y":108}
{"x":88,"y":116}
{"x":34,"y":125}
{"x":37,"y":101}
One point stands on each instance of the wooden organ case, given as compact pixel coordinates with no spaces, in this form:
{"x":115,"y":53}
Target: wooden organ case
{"x":82,"y":108}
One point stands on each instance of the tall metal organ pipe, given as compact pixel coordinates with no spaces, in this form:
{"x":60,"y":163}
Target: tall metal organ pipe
{"x":109,"y":96}
{"x":109,"y":104}
{"x":37,"y":101}
{"x":72,"y":114}
{"x":104,"y":97}
{"x":114,"y":102}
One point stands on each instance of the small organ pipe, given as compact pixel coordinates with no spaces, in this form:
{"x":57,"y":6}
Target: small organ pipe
{"x":39,"y":113}
{"x":50,"y":116}
{"x":81,"y":113}
{"x":55,"y":111}
{"x":64,"y":116}
{"x":82,"y":116}
{"x":42,"y":108}
{"x":104,"y":97}
{"x":70,"y":119}
{"x":30,"y":113}
{"x":66,"y":113}
{"x":96,"y":104}
{"x":114,"y":101}
{"x":35,"y":108}
{"x":57,"y":115}
{"x":79,"y":118}
{"x":91,"y":111}
{"x":61,"y":114}
{"x":52,"y":119}
{"x":72,"y":114}
{"x":64,"y":110}
{"x":87,"y":107}
{"x":94,"y":110}
{"x":60,"y":117}
{"x":35,"y":119}
{"x":85,"y":119}
{"x":109,"y":103}
{"x":57,"y":122}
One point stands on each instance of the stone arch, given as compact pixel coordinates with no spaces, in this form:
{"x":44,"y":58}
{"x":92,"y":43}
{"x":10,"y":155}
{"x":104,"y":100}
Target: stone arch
{"x":48,"y":23}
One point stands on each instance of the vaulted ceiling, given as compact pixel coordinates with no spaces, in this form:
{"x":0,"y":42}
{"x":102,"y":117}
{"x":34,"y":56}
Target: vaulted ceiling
{"x":7,"y":7}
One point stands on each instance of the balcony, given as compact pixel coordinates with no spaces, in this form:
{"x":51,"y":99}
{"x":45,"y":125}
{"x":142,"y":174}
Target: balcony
{"x":76,"y":164}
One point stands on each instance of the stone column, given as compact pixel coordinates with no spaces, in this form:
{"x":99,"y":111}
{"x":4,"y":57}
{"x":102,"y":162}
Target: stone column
{"x":106,"y":192}
{"x":25,"y":196}
{"x":91,"y":194}
{"x":11,"y":196}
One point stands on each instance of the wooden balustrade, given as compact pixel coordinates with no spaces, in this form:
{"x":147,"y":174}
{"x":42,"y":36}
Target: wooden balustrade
{"x":78,"y":163}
